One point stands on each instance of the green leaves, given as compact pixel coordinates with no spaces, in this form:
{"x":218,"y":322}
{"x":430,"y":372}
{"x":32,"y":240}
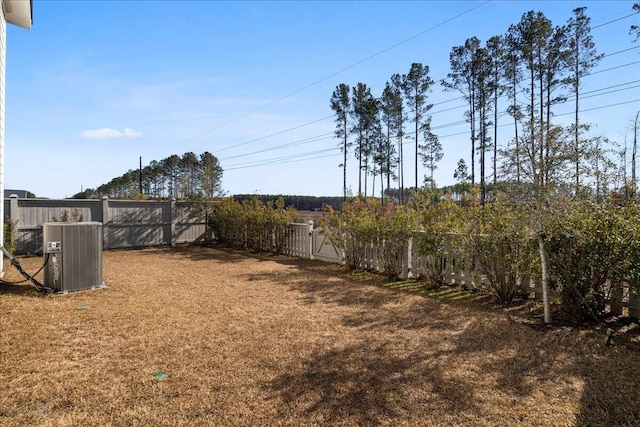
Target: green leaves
{"x":591,"y":248}
{"x":364,"y":229}
{"x":252,"y":224}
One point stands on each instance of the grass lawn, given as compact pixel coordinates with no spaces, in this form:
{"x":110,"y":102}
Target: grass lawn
{"x":195,"y":336}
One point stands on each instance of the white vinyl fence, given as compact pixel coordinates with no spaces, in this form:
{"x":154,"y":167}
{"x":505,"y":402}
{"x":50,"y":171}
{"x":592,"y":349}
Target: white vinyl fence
{"x":305,"y":241}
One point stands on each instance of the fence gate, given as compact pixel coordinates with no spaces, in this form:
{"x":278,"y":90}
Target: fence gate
{"x":323,"y":248}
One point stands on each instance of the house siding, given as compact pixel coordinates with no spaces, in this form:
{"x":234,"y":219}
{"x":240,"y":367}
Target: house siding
{"x":3,"y":56}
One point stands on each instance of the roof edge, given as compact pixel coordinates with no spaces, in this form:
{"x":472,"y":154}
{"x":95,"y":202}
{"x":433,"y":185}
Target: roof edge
{"x":18,"y":12}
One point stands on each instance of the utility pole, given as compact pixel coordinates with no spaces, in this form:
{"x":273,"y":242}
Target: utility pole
{"x":140,"y":176}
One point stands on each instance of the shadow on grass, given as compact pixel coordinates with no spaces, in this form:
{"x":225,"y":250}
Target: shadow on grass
{"x":611,"y":394}
{"x":344,"y":385}
{"x":195,"y":253}
{"x":19,"y":289}
{"x":369,"y":382}
{"x":365,"y":384}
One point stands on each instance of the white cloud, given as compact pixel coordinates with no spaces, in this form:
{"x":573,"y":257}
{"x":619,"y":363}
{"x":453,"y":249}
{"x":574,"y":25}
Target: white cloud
{"x":130,"y":133}
{"x":108,"y":133}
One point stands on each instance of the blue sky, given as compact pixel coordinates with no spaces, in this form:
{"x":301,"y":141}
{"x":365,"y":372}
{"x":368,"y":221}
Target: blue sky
{"x":94,"y":85}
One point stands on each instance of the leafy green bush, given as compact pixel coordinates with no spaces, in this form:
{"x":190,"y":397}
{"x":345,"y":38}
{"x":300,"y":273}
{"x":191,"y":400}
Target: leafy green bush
{"x":353,"y":229}
{"x":504,"y":248}
{"x":252,"y":224}
{"x":366,"y":232}
{"x":226,"y":223}
{"x":442,"y":237}
{"x":395,"y":225}
{"x":590,"y":247}
{"x":278,"y":219}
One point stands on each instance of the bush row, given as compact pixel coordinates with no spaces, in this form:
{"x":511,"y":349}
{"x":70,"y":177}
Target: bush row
{"x":252,"y":224}
{"x":593,"y":249}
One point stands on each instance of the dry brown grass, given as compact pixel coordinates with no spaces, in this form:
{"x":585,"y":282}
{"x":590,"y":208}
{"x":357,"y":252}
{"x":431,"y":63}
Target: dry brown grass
{"x":248,"y":341}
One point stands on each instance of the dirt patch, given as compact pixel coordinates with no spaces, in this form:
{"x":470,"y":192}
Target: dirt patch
{"x":201,"y":337}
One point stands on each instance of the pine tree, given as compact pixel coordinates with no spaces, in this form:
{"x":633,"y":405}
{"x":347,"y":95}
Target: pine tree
{"x":210,"y":175}
{"x":496,"y":52}
{"x":513,"y":77}
{"x":396,"y":85}
{"x":481,"y":66}
{"x":391,"y":111}
{"x":416,"y":85}
{"x":462,"y":78}
{"x":341,"y":105}
{"x":581,"y":59}
{"x":431,"y":152}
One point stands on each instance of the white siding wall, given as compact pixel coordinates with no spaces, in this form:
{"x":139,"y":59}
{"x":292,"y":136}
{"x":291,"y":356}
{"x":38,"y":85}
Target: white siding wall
{"x":3,"y":56}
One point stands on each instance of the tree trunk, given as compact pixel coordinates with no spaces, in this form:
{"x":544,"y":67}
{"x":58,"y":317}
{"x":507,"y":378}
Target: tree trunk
{"x":416,"y":159}
{"x":382,"y":189}
{"x":634,"y":152}
{"x":577,"y":118}
{"x":401,"y":171}
{"x":545,"y":280}
{"x":344,"y":168}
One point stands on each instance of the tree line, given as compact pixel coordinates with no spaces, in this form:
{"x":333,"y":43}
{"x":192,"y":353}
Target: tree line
{"x":301,"y":203}
{"x":186,"y":177}
{"x":543,"y":62}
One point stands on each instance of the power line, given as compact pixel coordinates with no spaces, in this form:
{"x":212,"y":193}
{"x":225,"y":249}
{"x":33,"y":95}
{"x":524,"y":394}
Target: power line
{"x":447,"y":109}
{"x":436,"y":112}
{"x":409,"y":134}
{"x":305,"y":156}
{"x":288,"y":145}
{"x":283,"y":162}
{"x":606,"y":55}
{"x":591,"y":94}
{"x":615,"y":20}
{"x":610,"y":87}
{"x":606,"y":93}
{"x":368,"y":58}
{"x":276,"y":160}
{"x":604,"y":18}
{"x":274,"y":134}
{"x":311,"y":139}
{"x":614,"y":68}
{"x":601,"y":107}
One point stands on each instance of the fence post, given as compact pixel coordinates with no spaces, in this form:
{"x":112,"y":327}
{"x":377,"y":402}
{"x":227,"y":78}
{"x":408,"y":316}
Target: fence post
{"x":172,"y":219}
{"x":634,"y":304}
{"x":13,"y":208}
{"x":310,"y":243}
{"x":105,"y":222}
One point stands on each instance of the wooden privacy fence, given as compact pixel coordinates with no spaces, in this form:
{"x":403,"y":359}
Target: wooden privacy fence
{"x":126,"y":223}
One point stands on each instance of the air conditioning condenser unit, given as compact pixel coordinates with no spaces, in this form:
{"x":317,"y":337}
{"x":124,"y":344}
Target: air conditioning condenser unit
{"x":73,"y":255}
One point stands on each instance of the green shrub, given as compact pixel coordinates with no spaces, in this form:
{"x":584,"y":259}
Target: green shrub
{"x":252,"y":224}
{"x":10,"y":236}
{"x":395,"y":225}
{"x":442,"y":237}
{"x":366,"y":232}
{"x":278,"y":220}
{"x":353,"y":229}
{"x":590,"y":248}
{"x":504,"y":248}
